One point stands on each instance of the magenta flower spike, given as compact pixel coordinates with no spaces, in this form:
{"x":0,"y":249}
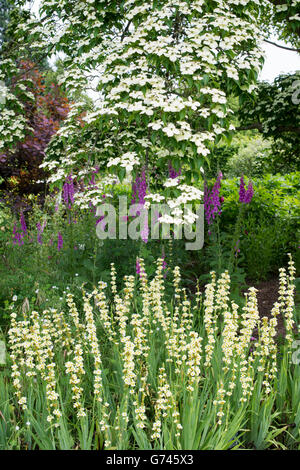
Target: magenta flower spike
{"x":40,"y":230}
{"x":139,"y":191}
{"x":17,"y":237}
{"x":138,"y":267}
{"x":242,"y":190}
{"x":145,"y":230}
{"x":212,"y":200}
{"x":139,"y":188}
{"x":68,"y":191}
{"x":249,"y":193}
{"x":23,"y":223}
{"x":246,"y":195}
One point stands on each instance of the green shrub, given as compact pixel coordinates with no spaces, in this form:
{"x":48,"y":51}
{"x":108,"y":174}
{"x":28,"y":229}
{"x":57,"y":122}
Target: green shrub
{"x":269,"y":229}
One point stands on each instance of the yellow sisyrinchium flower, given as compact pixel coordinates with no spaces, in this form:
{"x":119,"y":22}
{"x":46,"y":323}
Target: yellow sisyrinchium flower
{"x":41,"y":344}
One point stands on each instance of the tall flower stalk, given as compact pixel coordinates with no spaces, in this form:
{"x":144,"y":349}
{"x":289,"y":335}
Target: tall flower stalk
{"x":212,"y":209}
{"x":245,"y":197}
{"x":139,"y":191}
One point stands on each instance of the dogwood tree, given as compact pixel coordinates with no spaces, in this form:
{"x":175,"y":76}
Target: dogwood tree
{"x":164,"y":72}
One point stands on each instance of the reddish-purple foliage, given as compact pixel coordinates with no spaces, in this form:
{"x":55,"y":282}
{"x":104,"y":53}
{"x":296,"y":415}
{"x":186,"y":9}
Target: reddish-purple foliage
{"x":21,"y":167}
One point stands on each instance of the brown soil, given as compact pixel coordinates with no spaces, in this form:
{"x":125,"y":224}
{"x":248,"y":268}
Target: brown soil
{"x":267,"y":295}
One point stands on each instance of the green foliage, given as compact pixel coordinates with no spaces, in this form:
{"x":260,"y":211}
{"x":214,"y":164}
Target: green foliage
{"x":252,"y":240}
{"x":264,"y":246}
{"x":274,"y":111}
{"x":83,"y":258}
{"x":271,"y":224}
{"x":247,"y":153}
{"x":219,"y":160}
{"x":283,"y":17}
{"x":5,"y":8}
{"x":251,"y":158}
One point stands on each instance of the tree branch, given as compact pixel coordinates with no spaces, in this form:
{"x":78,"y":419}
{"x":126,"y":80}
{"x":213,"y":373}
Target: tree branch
{"x":125,"y":30}
{"x":259,"y":127}
{"x":255,"y":125}
{"x":282,"y":47}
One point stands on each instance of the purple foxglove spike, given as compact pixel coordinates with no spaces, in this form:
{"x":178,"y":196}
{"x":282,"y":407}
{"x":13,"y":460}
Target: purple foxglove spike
{"x":99,"y":220}
{"x":245,"y":196}
{"x":212,"y":201}
{"x":155,"y":217}
{"x":92,"y":181}
{"x":16,"y":235}
{"x":23,"y":223}
{"x":249,"y":193}
{"x":242,"y":191}
{"x":139,"y":188}
{"x":68,"y":191}
{"x":138,"y":267}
